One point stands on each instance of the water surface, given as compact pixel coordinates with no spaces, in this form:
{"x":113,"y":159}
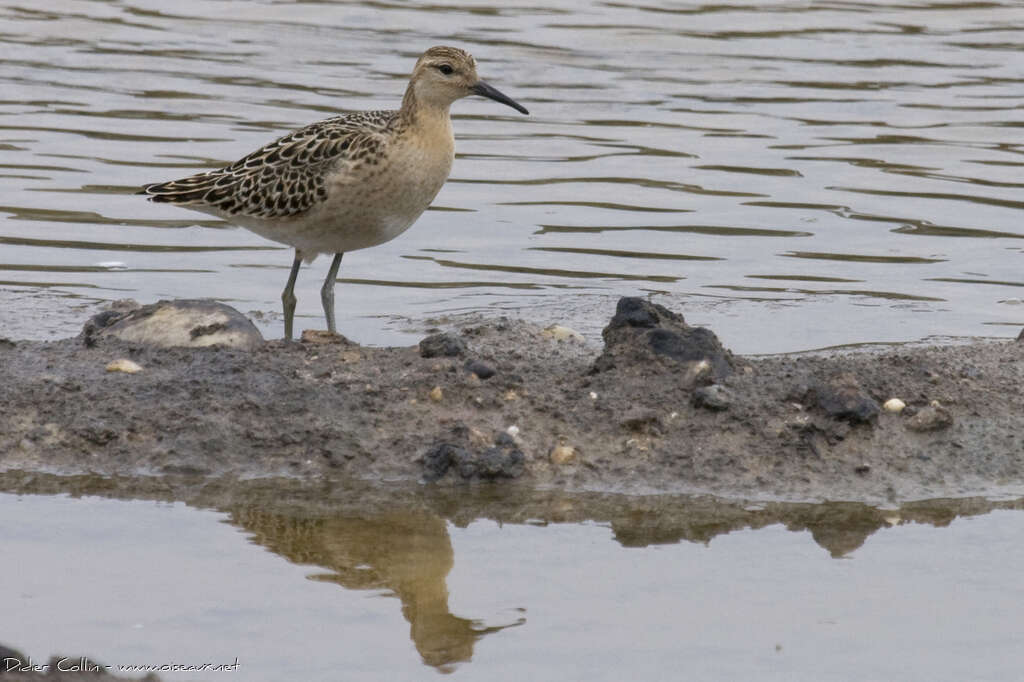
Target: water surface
{"x":795,"y":175}
{"x":558,"y":587}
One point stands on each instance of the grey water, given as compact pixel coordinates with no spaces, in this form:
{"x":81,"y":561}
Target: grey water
{"x":698,"y":589}
{"x":794,"y":175}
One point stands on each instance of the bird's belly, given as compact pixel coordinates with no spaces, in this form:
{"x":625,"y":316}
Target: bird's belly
{"x":371,"y":206}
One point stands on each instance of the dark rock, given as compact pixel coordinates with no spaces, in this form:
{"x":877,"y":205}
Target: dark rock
{"x":440,"y":458}
{"x":6,"y":343}
{"x":713,"y":397}
{"x":697,"y":343}
{"x":633,"y":311}
{"x":505,"y":440}
{"x":445,"y":345}
{"x":644,"y":333}
{"x":1020,"y":337}
{"x":480,"y":369}
{"x":931,"y":418}
{"x":641,"y":420}
{"x":503,"y":460}
{"x":465,"y":463}
{"x":842,"y":398}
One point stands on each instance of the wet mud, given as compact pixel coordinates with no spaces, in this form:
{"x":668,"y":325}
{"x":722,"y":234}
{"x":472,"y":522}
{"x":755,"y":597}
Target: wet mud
{"x":662,"y":407}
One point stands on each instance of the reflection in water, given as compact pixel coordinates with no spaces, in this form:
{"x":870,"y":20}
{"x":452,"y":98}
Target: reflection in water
{"x":410,"y":552}
{"x":397,"y":540}
{"x":838,"y":527}
{"x":407,"y":554}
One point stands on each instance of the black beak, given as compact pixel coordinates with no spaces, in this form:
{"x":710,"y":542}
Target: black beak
{"x":486,"y":90}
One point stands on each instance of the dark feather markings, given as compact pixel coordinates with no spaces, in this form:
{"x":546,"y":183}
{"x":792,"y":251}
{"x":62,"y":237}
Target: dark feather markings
{"x":288,"y":176}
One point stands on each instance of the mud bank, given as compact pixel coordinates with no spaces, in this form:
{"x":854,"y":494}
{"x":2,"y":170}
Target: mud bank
{"x":661,"y":408}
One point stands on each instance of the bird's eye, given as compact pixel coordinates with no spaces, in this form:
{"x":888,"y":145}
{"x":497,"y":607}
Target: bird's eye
{"x":446,"y":69}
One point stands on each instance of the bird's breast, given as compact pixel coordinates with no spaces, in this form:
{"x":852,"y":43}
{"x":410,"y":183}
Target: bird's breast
{"x":380,"y":198}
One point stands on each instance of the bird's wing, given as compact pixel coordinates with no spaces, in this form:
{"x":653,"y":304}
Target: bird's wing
{"x":286,"y":177}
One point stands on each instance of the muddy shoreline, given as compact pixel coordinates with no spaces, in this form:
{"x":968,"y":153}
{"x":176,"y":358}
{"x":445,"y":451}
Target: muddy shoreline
{"x":661,"y":408}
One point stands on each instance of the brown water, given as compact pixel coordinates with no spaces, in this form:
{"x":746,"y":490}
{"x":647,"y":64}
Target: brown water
{"x":795,"y":175}
{"x":554,"y":587}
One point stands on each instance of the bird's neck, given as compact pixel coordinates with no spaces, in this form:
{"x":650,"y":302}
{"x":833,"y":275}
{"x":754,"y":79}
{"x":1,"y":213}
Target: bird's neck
{"x":423,"y":114}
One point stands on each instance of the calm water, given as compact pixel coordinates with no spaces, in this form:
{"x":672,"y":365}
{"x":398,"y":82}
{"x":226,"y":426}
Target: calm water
{"x":768,"y":168}
{"x":675,"y":590}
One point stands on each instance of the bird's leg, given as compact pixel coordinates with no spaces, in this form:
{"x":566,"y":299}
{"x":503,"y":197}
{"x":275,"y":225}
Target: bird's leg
{"x":288,"y":297}
{"x":327,"y":292}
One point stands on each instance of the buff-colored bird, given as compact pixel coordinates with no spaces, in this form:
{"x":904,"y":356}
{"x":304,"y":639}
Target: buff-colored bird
{"x":345,"y":183}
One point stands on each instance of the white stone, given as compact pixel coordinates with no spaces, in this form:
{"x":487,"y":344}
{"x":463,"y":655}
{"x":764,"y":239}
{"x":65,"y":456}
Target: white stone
{"x":894,"y":405}
{"x":560,"y":333}
{"x":124,"y":365}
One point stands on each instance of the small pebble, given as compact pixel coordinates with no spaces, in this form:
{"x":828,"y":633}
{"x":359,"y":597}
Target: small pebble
{"x":593,"y":396}
{"x":640,"y":420}
{"x":563,"y":454}
{"x":930,"y":418}
{"x":714,"y":397}
{"x":513,"y":431}
{"x":560,"y":333}
{"x":843,"y":398}
{"x":442,"y":345}
{"x":894,"y":405}
{"x":697,"y":371}
{"x":480,"y":369}
{"x":436,"y":394}
{"x":124,"y":365}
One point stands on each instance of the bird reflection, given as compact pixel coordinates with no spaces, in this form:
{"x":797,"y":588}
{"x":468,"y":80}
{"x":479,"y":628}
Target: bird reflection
{"x":406,"y":553}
